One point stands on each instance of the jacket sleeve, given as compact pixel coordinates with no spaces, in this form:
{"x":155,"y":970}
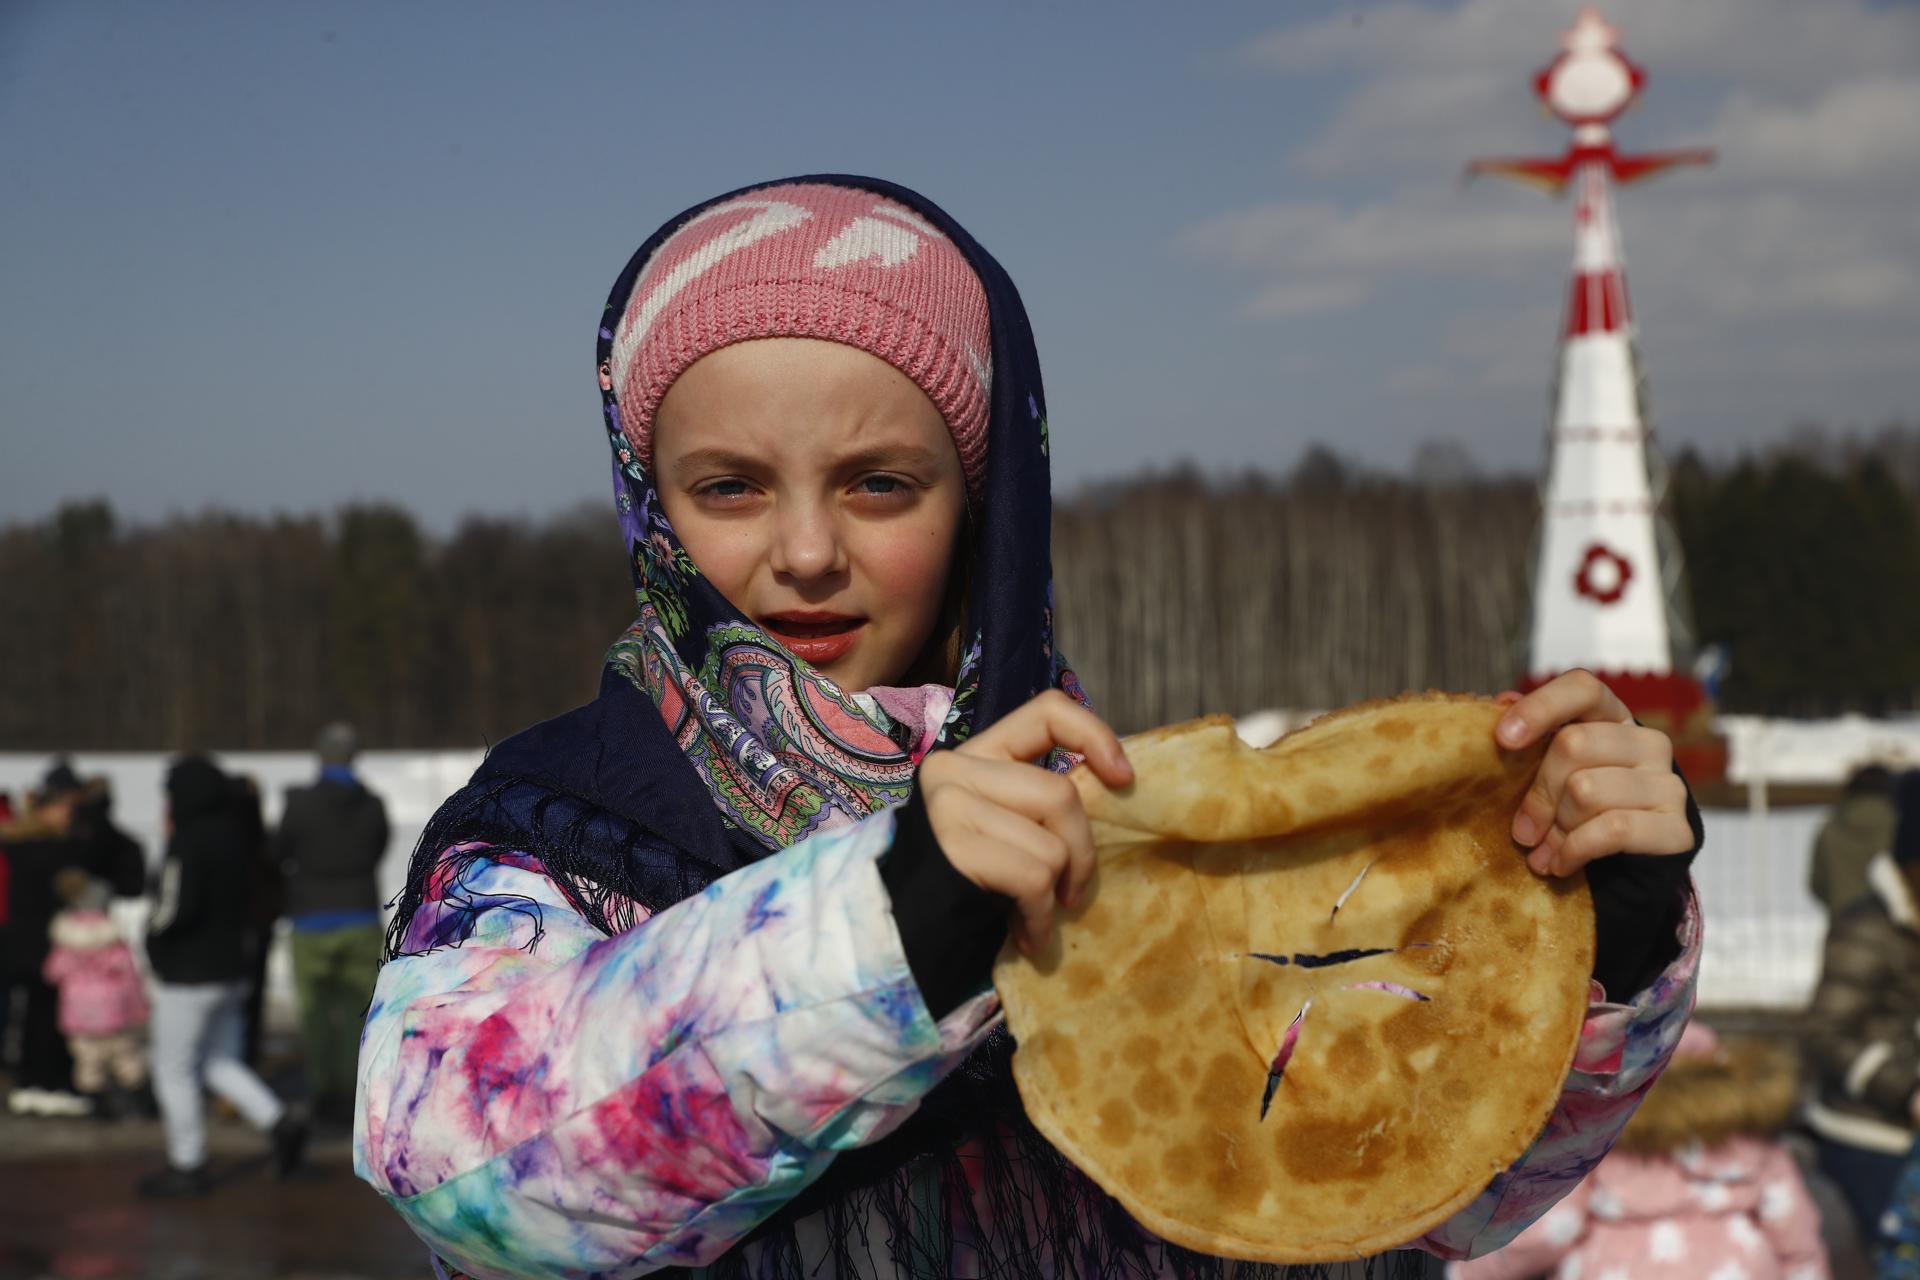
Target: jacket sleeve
{"x":1623,"y":1049}
{"x":1535,"y":1251}
{"x":1858,"y":969}
{"x":543,"y":1100}
{"x":180,"y":900}
{"x":1790,"y":1220}
{"x":58,"y":965}
{"x":283,"y":843}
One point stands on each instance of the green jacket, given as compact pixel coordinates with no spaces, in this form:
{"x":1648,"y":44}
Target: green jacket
{"x":1860,"y":827}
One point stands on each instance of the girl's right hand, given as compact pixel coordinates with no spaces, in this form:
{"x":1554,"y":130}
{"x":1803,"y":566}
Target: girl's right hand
{"x":1016,"y":829}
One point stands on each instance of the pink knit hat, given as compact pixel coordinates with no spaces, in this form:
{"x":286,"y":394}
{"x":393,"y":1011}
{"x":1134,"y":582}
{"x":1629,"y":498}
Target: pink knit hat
{"x":807,"y":260}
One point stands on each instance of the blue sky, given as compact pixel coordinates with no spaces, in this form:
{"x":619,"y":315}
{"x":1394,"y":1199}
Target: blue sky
{"x":276,"y":257}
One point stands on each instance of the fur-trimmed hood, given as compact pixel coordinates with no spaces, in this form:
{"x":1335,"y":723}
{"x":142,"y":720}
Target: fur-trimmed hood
{"x":1749,"y":1087}
{"x":86,"y":929}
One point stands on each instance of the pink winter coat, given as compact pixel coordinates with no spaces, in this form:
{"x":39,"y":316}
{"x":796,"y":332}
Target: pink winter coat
{"x":101,"y":993}
{"x":1700,"y":1196}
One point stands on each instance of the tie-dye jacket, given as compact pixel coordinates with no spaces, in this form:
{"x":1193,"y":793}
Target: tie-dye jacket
{"x":544,"y":1100}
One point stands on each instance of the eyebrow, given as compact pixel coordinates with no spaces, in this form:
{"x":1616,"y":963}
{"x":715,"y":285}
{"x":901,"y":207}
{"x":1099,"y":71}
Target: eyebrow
{"x":886,"y":455}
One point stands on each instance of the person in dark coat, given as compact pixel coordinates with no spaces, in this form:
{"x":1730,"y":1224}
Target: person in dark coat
{"x":197,"y":945}
{"x":332,"y":836}
{"x":1865,"y":1023}
{"x":38,"y":846}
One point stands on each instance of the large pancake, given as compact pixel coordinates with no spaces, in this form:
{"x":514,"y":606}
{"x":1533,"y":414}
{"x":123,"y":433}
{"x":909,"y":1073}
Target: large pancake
{"x":1363,"y":864}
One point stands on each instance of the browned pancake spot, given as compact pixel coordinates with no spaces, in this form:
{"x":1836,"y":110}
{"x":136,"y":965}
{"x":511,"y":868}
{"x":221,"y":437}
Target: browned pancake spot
{"x":1153,"y":1092}
{"x":1140,"y":1051}
{"x":1083,"y":978}
{"x":1156,"y":993}
{"x":1352,"y":1055}
{"x":1223,"y":1089}
{"x":1116,"y":1122}
{"x":1181,"y":1164}
{"x":1380,"y":763}
{"x":1414,"y":1026}
{"x":1324,"y":1149}
{"x":1059,"y":1055}
{"x":1237,"y":1184}
{"x":1394,"y":728}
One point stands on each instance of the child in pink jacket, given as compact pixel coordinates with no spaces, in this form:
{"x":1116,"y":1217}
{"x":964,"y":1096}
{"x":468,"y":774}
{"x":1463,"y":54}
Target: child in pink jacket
{"x":103,"y":1003}
{"x":1697,"y":1188}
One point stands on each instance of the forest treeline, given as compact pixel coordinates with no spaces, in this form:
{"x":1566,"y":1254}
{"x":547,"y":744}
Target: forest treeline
{"x":1175,"y":595}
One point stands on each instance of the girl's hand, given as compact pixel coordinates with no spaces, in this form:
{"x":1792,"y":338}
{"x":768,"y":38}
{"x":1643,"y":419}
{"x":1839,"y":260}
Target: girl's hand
{"x":1018,"y":830}
{"x":1607,"y":785}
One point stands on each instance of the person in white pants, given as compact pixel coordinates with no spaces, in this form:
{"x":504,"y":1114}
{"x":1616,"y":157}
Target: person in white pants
{"x":197,"y":943}
{"x":198,"y":1035}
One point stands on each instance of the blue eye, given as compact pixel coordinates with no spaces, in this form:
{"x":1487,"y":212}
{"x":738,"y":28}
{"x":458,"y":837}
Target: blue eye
{"x":881,"y":484}
{"x":724,"y":489}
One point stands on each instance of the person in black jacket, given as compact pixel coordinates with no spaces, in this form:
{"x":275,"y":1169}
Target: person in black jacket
{"x":332,"y":836}
{"x":40,"y":845}
{"x":197,"y":945}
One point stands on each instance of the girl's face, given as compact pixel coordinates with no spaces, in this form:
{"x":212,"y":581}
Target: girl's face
{"x":819,"y":490}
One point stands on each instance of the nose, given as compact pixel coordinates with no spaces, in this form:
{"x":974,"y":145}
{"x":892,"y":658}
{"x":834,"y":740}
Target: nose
{"x":806,"y":542}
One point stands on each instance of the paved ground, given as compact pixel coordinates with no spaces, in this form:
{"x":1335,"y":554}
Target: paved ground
{"x":68,"y":1211}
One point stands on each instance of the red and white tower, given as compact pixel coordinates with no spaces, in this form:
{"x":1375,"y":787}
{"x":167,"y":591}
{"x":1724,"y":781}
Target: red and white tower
{"x":1607,"y":584}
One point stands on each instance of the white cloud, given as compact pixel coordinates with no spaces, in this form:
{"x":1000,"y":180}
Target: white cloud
{"x":1306,"y":297}
{"x":1325,"y":256}
{"x":1790,"y":268}
{"x":1865,"y":130}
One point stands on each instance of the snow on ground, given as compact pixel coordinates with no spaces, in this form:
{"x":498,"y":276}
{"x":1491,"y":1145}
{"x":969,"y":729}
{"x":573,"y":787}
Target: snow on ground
{"x":1763,"y":931}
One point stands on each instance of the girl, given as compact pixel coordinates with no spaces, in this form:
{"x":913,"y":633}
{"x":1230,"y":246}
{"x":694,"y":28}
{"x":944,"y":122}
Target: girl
{"x":1699,"y":1185}
{"x":103,"y":1000}
{"x":696,"y":976}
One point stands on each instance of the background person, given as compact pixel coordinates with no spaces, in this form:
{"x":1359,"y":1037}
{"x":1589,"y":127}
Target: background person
{"x":39,"y":845}
{"x":331,"y":838}
{"x":103,"y":1000}
{"x":197,"y":945}
{"x":1699,"y":1185}
{"x":1863,"y":1035}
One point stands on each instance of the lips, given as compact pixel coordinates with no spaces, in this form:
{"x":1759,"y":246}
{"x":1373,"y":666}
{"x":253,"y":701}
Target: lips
{"x":819,"y":638}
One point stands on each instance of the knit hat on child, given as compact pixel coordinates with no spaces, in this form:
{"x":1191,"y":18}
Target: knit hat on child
{"x":810,"y":260}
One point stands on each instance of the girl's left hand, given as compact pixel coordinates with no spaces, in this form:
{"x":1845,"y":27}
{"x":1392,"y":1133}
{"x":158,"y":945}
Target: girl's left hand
{"x":1606,"y":786}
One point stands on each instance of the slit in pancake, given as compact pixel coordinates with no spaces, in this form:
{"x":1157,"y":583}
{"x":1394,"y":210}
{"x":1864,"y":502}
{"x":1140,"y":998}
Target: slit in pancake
{"x":1391,"y":988}
{"x":1305,"y":960}
{"x":1285,"y":1055}
{"x":1341,"y":901}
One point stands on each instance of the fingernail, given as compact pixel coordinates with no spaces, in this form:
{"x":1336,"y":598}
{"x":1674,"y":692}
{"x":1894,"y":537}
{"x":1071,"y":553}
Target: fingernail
{"x":1525,"y":830}
{"x":1512,"y":730}
{"x":1541,"y":861}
